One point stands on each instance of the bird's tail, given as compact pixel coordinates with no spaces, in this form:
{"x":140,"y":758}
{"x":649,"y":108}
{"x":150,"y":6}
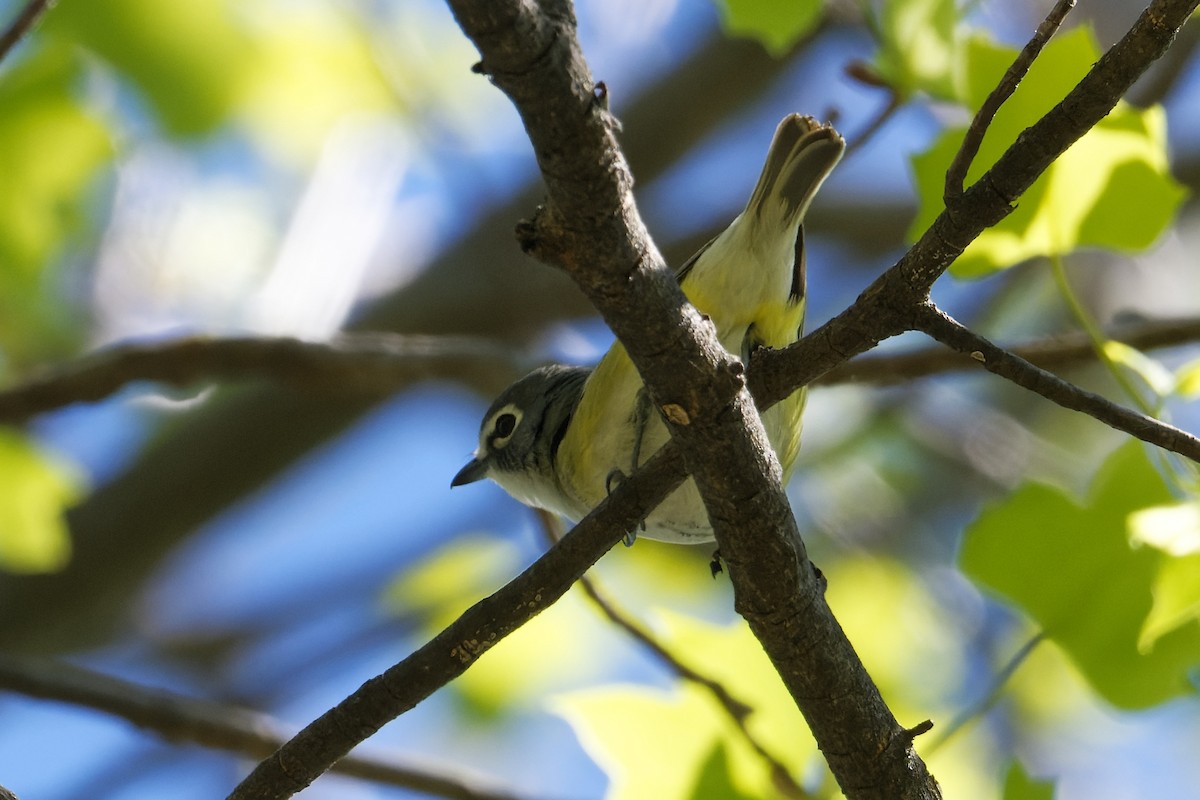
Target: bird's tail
{"x":802,"y":154}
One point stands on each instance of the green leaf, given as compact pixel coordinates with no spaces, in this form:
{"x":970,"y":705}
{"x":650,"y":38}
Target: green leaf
{"x":649,"y":742}
{"x":36,"y":492}
{"x":1111,"y":189}
{"x":1019,"y":786}
{"x":1070,"y":566}
{"x":715,"y":781}
{"x":1187,"y":380}
{"x":777,"y":24}
{"x":51,"y":150}
{"x":188,"y":58}
{"x":447,"y":582}
{"x":918,"y":47}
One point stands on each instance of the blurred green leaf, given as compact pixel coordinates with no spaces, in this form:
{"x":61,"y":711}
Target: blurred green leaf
{"x":1111,"y":189}
{"x":777,"y":24}
{"x":1071,"y":567}
{"x":1019,"y":786}
{"x":187,"y":57}
{"x":919,"y":50}
{"x":315,"y":69}
{"x":36,"y":492}
{"x":51,"y":150}
{"x":715,"y":782}
{"x":650,"y":742}
{"x":445,"y":583}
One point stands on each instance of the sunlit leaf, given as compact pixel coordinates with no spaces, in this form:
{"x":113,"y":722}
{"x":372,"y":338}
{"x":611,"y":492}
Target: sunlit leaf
{"x":732,"y":656}
{"x":1070,"y":566}
{"x":1175,"y":531}
{"x":650,"y":742}
{"x":777,"y":24}
{"x":919,"y":50}
{"x":1176,"y":600}
{"x":1151,"y":371}
{"x":1187,"y":380}
{"x":1019,"y":786}
{"x":657,"y":743}
{"x":188,"y":58}
{"x":35,"y":493}
{"x":1111,"y":189}
{"x":447,"y":582}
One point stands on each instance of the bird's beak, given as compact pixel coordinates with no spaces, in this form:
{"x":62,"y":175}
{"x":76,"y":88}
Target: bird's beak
{"x":475,"y":470}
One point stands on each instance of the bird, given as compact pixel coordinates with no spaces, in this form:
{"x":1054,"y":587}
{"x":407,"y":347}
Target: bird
{"x":561,"y":437}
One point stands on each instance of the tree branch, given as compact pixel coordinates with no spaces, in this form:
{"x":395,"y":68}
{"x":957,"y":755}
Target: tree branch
{"x":223,"y":727}
{"x":1055,"y":352}
{"x":23,"y":23}
{"x":940,"y":326}
{"x":591,"y":228}
{"x":957,"y":173}
{"x":373,"y":364}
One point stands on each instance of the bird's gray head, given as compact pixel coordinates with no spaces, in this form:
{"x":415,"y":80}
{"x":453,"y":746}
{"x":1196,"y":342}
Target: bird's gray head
{"x":520,"y":434}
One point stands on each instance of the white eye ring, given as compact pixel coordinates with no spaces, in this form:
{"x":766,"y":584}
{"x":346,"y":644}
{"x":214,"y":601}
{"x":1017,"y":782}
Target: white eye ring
{"x":502,"y":426}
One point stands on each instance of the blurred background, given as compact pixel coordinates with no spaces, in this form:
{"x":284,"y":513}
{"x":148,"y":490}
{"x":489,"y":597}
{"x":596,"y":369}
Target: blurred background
{"x":307,"y":167}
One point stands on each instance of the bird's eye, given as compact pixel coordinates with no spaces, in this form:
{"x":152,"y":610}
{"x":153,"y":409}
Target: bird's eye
{"x":505,"y":424}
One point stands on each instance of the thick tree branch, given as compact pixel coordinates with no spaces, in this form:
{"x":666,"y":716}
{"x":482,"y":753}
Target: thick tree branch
{"x":185,"y":719}
{"x":591,"y":227}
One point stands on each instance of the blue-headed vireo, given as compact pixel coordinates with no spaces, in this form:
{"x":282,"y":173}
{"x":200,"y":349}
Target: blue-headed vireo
{"x":559,"y":437}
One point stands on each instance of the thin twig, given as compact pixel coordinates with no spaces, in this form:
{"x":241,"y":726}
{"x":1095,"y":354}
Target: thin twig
{"x":957,"y":173}
{"x":1092,"y":329}
{"x":737,"y":711}
{"x":24,"y":22}
{"x":989,"y":699}
{"x":239,"y":730}
{"x":856,"y":143}
{"x":1055,"y":352}
{"x":932,"y":321}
